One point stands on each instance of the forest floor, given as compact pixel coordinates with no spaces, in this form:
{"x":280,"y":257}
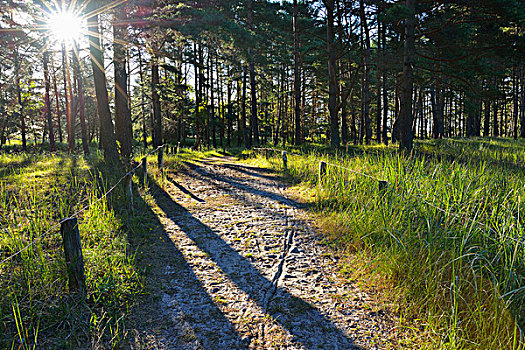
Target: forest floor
{"x":237,"y":263}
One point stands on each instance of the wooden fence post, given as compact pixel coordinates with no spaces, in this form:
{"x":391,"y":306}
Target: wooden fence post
{"x":73,"y":253}
{"x":160,"y":159}
{"x":285,"y":160}
{"x":129,"y":190}
{"x":145,"y":171}
{"x":322,"y":170}
{"x":347,"y":144}
{"x":266,"y":153}
{"x":178,"y":147}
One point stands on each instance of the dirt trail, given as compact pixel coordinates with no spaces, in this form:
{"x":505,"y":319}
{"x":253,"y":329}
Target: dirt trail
{"x":238,"y":266}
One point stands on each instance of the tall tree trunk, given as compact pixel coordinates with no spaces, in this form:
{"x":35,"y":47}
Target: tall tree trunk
{"x":107,"y":134}
{"x":155,"y":100}
{"x":253,"y":86}
{"x":240,"y":130}
{"x":366,"y":76}
{"x":297,"y":76}
{"x":142,"y":101}
{"x":197,"y":84}
{"x":385,"y":91}
{"x":522,"y":102}
{"x":47,"y":103}
{"x":515,"y":83}
{"x":81,"y":106}
{"x":67,"y":95}
{"x":229,"y":107}
{"x":496,"y":124}
{"x":243,"y":110}
{"x":19,"y":100}
{"x":405,"y":112}
{"x":379,"y":109}
{"x":72,"y":104}
{"x":332,"y":74}
{"x":123,"y":129}
{"x":57,"y":102}
{"x":212,"y":103}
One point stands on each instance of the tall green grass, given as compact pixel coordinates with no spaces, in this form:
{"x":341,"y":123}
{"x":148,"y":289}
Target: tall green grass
{"x":447,"y":233}
{"x":36,"y":192}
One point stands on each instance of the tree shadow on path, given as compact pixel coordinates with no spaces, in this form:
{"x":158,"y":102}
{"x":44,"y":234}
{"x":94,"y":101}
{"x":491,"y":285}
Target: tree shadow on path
{"x":303,"y":321}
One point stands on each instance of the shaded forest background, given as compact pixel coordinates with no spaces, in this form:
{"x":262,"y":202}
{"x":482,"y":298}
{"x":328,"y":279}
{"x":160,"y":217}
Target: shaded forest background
{"x":246,"y":73}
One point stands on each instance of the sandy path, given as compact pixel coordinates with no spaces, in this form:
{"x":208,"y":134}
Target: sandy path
{"x":239,"y":267}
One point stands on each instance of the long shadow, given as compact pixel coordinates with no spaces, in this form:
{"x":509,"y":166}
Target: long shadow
{"x":235,"y":183}
{"x":244,"y":170}
{"x":180,"y":284}
{"x":183,"y":189}
{"x":235,"y":266}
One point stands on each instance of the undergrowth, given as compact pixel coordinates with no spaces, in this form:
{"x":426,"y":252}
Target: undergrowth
{"x":444,"y":238}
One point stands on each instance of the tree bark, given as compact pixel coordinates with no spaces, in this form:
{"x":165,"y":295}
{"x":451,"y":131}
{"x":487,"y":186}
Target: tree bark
{"x":405,"y":113}
{"x":366,"y":76}
{"x":253,"y":86}
{"x":332,"y":74}
{"x":107,"y":134}
{"x":47,"y":103}
{"x":123,"y":129}
{"x":81,"y":106}
{"x":297,"y":76}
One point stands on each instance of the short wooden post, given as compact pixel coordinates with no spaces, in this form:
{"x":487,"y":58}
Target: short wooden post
{"x":322,"y":171}
{"x":145,"y":171}
{"x":73,"y":253}
{"x":129,"y":190}
{"x":347,"y":144}
{"x":266,"y":155}
{"x":178,"y":147}
{"x":285,"y":160}
{"x":382,"y":185}
{"x":160,"y":159}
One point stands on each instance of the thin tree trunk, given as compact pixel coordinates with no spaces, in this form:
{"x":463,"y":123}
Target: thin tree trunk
{"x":81,"y":106}
{"x":366,"y":76}
{"x":515,"y":90}
{"x":332,"y":74}
{"x":57,"y":101}
{"x":405,"y":112}
{"x":72,"y":104}
{"x":47,"y":103}
{"x":107,"y":134}
{"x":297,"y":76}
{"x":20,"y":102}
{"x":243,"y":110}
{"x":123,"y":129}
{"x":253,"y":86}
{"x":142,"y":101}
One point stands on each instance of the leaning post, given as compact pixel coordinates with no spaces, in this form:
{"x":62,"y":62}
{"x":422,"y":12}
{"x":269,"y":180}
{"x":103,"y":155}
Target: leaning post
{"x":73,"y":254}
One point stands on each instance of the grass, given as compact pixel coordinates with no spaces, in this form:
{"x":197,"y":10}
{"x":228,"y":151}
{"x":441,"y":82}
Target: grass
{"x":37,"y":190}
{"x":444,"y":239}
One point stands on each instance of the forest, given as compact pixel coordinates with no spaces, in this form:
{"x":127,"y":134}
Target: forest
{"x":426,"y":97}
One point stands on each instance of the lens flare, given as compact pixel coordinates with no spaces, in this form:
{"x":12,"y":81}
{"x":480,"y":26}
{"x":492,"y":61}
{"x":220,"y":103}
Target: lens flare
{"x":65,"y":27}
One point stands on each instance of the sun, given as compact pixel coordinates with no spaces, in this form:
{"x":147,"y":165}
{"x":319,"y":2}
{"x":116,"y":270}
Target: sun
{"x":66,"y":27}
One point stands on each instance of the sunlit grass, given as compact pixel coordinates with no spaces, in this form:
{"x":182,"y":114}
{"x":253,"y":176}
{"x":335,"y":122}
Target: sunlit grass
{"x":36,"y":192}
{"x":445,"y":238}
